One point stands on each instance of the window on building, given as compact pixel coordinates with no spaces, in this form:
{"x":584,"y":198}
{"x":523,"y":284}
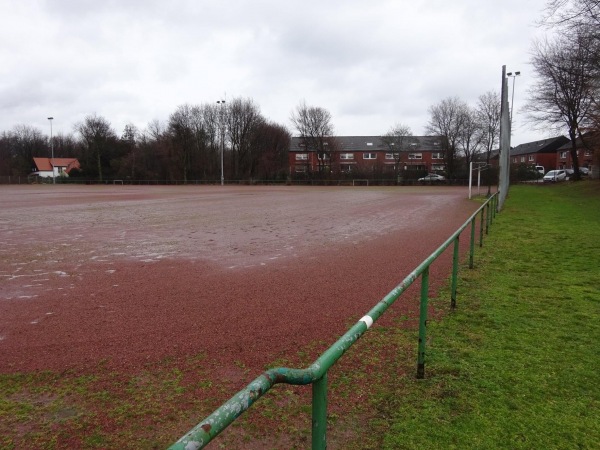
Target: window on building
{"x":531,"y":158}
{"x":415,"y":156}
{"x":301,"y":156}
{"x":438,"y":167}
{"x":390,"y":156}
{"x":415,"y":167}
{"x":323,"y":156}
{"x":369,"y":155}
{"x":587,"y":153}
{"x":300,"y":169}
{"x":563,"y":155}
{"x":346,"y":155}
{"x":437,"y":155}
{"x":515,"y":160}
{"x":522,"y":159}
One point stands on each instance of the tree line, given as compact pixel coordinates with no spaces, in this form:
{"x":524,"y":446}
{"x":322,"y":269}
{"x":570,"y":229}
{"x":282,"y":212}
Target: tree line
{"x":197,"y":142}
{"x":232,"y":139}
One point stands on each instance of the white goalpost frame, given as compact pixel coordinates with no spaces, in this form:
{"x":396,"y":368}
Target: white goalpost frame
{"x":480,"y":167}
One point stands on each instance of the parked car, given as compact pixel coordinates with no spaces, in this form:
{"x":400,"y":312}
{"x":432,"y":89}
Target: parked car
{"x":583,"y":171}
{"x":540,"y":170}
{"x":432,"y":178}
{"x":555,"y":175}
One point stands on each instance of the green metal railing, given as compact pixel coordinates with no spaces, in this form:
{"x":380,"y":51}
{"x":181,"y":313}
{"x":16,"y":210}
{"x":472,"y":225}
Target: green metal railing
{"x":316,"y":374}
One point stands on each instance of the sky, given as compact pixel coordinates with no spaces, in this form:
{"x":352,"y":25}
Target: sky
{"x":370,"y":64}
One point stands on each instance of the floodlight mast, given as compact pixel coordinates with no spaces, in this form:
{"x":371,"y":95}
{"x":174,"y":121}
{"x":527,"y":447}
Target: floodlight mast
{"x":504,"y":160}
{"x":222,"y":103}
{"x":52,"y":150}
{"x":512,"y":101}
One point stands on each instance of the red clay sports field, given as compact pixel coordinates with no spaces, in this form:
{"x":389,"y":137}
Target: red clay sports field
{"x":125,"y":274}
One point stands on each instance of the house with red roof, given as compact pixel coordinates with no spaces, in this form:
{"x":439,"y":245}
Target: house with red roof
{"x":54,"y":167}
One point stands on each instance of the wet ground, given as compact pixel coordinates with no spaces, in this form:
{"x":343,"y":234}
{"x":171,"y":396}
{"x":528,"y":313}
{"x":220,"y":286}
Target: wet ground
{"x":128,"y":274}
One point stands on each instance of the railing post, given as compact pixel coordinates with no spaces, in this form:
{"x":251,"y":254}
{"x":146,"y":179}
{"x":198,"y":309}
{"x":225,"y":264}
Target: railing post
{"x":487,"y":219}
{"x":454,"y":273}
{"x":495,"y":203}
{"x":319,"y":413}
{"x":472,"y":251}
{"x":481,"y":220}
{"x":423,"y":323}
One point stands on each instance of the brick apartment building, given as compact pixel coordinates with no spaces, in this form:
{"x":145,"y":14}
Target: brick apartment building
{"x":538,"y":153}
{"x":367,"y":155}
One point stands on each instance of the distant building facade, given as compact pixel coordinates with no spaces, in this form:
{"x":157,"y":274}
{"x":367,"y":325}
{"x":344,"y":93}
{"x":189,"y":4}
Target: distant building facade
{"x":368,"y":154}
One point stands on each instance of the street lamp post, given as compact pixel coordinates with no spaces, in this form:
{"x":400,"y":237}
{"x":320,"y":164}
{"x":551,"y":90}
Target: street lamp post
{"x":52,"y":149}
{"x":222,"y":103}
{"x":512,"y":101}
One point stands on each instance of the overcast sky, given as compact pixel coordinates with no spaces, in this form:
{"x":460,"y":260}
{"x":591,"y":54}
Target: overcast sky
{"x":371,"y":64}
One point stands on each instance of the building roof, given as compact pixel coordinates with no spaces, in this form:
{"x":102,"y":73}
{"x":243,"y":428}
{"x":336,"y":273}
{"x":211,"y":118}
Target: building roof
{"x":366,"y":143}
{"x":591,"y":141}
{"x":549,"y":145}
{"x":45,"y":164}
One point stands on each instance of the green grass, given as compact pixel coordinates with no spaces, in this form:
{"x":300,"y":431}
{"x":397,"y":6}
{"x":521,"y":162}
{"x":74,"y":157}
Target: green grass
{"x":517,"y":365}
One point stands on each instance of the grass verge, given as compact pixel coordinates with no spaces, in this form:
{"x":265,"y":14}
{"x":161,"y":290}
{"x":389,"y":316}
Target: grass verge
{"x":517,"y":364}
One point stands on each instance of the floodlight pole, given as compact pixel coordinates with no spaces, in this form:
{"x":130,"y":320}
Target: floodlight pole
{"x":504,"y":159}
{"x":222,"y":103}
{"x":52,"y":150}
{"x":512,"y":101}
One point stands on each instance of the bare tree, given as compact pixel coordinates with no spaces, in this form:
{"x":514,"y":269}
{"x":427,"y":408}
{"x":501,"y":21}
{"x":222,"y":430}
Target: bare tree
{"x":573,"y":15}
{"x":271,"y":148}
{"x":129,"y":141}
{"x":243,"y":120}
{"x":314,"y":126}
{"x":565,"y":91}
{"x":181,"y":131}
{"x":573,"y":19}
{"x":213,"y":117}
{"x":18,"y":147}
{"x":98,"y":139}
{"x":154,"y":152}
{"x":470,"y":137}
{"x":488,"y":116}
{"x":397,"y":140}
{"x":447,"y":121}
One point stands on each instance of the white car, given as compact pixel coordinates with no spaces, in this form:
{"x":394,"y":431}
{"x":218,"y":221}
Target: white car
{"x":432,"y":178}
{"x":555,"y":175}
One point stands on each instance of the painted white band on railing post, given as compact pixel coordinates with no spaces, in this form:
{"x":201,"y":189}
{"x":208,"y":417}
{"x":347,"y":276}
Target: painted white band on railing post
{"x":368,"y":320}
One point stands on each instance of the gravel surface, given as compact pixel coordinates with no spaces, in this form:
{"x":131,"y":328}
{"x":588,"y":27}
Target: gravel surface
{"x":124,"y":275}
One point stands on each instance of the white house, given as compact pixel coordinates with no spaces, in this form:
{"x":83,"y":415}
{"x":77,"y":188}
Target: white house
{"x":49,"y":167}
